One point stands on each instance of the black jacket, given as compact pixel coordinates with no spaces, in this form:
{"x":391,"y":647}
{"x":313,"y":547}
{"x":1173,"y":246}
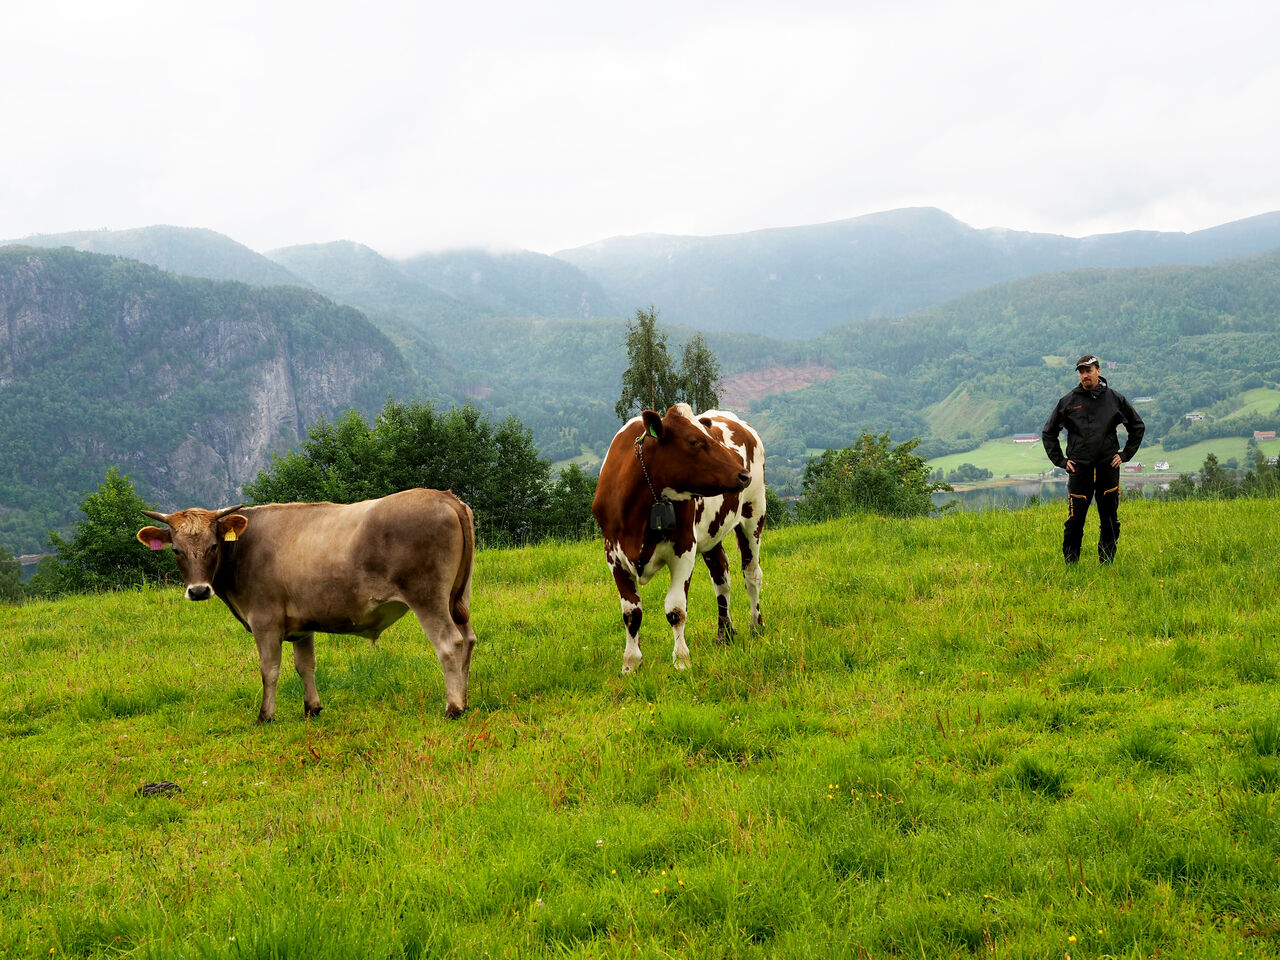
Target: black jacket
{"x":1091,"y":418}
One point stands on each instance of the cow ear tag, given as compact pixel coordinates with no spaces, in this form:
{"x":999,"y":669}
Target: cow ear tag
{"x":653,"y":433}
{"x":229,"y":536}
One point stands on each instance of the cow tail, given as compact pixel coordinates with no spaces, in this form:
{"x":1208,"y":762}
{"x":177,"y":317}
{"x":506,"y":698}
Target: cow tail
{"x":462,"y":579}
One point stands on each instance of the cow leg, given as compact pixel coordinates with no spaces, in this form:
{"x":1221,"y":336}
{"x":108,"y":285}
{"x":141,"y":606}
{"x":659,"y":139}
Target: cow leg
{"x":453,"y":650}
{"x":631,"y":616}
{"x":468,"y":645}
{"x":269,"y":643}
{"x":718,"y":566}
{"x":749,"y":532}
{"x":468,"y":636}
{"x":304,"y":661}
{"x":678,"y":603}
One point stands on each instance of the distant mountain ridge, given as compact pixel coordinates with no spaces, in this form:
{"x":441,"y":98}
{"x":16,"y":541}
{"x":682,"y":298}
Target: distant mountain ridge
{"x":788,"y":282}
{"x":190,"y":251}
{"x":797,"y":282}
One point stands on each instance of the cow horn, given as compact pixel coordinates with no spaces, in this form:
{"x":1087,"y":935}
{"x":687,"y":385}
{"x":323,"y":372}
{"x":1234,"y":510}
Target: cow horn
{"x":226,"y":510}
{"x":162,"y":517}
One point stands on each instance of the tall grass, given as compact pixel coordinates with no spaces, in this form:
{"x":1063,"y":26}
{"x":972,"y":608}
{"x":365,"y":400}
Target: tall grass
{"x":942,"y":743}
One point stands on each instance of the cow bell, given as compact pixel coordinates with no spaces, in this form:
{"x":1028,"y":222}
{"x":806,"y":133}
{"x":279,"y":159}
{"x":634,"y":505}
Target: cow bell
{"x":662,"y":519}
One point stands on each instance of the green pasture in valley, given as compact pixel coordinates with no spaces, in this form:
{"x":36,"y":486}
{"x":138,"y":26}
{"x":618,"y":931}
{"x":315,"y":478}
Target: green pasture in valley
{"x":1258,"y":400}
{"x":1004,"y":458}
{"x":1191,"y":459}
{"x":942,"y":743}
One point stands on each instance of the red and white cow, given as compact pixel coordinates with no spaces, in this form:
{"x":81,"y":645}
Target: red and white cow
{"x":711,"y":467}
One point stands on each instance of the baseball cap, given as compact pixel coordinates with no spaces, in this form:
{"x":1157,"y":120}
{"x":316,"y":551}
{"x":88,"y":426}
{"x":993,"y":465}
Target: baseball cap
{"x":1088,"y":360}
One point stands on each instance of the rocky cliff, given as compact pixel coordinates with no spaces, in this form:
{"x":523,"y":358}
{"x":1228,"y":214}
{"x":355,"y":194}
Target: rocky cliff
{"x":188,"y":385}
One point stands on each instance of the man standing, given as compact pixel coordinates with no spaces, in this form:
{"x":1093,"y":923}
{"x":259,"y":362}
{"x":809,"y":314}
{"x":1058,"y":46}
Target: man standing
{"x":1090,"y":413}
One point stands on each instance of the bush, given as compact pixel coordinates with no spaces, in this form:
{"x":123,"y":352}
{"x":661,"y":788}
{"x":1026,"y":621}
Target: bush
{"x":495,"y":469}
{"x":103,"y":553}
{"x":870,"y":476}
{"x":1219,"y":482}
{"x":11,"y":589}
{"x":776,"y":510}
{"x":968,"y":473}
{"x":569,"y":511}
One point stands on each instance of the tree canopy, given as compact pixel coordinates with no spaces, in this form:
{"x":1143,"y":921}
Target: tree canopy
{"x":650,"y":380}
{"x":103,"y":552}
{"x":871,"y":476}
{"x":495,"y":468}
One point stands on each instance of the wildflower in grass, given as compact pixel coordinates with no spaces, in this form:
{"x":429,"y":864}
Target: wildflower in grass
{"x":1071,"y":939}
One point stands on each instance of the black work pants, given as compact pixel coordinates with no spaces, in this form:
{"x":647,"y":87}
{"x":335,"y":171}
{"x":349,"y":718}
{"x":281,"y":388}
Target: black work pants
{"x":1089,"y":482}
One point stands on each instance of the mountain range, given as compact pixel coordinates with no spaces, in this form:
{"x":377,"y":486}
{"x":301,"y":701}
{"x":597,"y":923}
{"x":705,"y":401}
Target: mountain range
{"x":787,"y":282}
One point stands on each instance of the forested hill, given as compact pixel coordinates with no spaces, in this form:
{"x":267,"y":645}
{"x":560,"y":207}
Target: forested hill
{"x":796,"y":282}
{"x":991,"y":363}
{"x":186,"y":384}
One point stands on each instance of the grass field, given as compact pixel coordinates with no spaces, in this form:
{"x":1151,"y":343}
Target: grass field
{"x":1002,"y":457}
{"x":942,"y":743}
{"x":961,"y":411}
{"x":1257,"y":400}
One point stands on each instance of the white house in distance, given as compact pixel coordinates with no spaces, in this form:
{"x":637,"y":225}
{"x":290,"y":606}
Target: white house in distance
{"x":1193,"y":416}
{"x":1162,"y":464}
{"x":1026,"y":438}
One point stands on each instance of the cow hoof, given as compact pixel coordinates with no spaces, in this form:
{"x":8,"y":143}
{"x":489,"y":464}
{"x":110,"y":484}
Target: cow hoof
{"x":263,"y":718}
{"x":309,"y":712}
{"x":629,"y":668}
{"x":681,"y":664}
{"x":453,"y":712}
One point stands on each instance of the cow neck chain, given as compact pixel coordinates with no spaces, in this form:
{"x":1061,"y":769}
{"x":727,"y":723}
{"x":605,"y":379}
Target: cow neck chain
{"x":645,"y":470}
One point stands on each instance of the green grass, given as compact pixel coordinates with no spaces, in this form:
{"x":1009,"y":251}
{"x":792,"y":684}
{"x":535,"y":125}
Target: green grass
{"x":1257,"y":400}
{"x":961,"y":411}
{"x":1002,"y":457}
{"x":943,"y":743}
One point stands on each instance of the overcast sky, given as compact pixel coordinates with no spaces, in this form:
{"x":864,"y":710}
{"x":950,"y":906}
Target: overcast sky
{"x":412,"y":126}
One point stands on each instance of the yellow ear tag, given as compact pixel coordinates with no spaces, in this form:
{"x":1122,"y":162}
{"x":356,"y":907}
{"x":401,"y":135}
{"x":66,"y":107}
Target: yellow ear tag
{"x":229,"y":536}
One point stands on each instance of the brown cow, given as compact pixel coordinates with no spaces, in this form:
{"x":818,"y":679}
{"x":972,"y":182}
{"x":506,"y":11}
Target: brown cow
{"x":287,"y":570}
{"x":711,"y":468}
